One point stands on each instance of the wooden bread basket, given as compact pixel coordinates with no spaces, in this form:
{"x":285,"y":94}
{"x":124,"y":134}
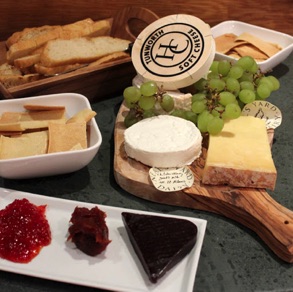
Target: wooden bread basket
{"x":93,"y":82}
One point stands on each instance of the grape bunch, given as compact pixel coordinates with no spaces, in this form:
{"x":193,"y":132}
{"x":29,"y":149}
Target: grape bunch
{"x":146,"y":101}
{"x":218,"y":97}
{"x":227,"y":88}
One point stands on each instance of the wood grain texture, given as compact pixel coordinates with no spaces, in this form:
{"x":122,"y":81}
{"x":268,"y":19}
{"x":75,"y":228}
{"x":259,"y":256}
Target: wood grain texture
{"x":253,"y":208}
{"x":17,"y":14}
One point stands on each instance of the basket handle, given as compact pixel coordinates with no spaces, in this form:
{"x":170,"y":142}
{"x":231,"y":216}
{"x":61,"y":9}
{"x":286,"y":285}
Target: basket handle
{"x":130,"y":21}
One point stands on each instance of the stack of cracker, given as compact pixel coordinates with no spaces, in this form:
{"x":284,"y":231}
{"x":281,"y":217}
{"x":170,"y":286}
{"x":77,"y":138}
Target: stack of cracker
{"x":41,"y":130}
{"x":245,"y":45}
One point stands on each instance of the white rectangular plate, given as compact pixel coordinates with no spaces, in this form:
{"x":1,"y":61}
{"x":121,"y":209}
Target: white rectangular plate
{"x":116,"y":269}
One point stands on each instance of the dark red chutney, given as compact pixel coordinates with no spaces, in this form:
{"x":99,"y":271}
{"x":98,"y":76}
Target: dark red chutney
{"x":24,"y":230}
{"x":89,"y":231}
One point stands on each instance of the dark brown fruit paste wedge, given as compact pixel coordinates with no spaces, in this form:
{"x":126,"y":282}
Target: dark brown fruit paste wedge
{"x":159,"y":242}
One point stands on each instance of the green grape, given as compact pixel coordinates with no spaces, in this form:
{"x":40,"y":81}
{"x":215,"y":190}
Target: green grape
{"x":224,"y":67}
{"x":247,"y":85}
{"x":236,"y":71}
{"x":246,"y":76}
{"x":275,"y":82}
{"x":147,"y":102}
{"x":267,"y":81}
{"x":254,"y":68}
{"x":131,"y":95}
{"x":129,"y":104}
{"x":130,"y":119}
{"x":198,"y":97}
{"x":233,"y":85}
{"x":213,"y":75}
{"x":178,"y":113}
{"x":148,"y":88}
{"x":263,"y":90}
{"x":216,"y":84}
{"x":247,"y":96}
{"x":148,"y":113}
{"x":215,"y":125}
{"x":167,"y":103}
{"x":200,"y":85}
{"x":218,"y":110}
{"x":246,"y":62}
{"x":232,"y":111}
{"x":203,"y":120}
{"x":198,"y":106}
{"x":191,"y":116}
{"x":226,"y":97}
{"x":214,"y":67}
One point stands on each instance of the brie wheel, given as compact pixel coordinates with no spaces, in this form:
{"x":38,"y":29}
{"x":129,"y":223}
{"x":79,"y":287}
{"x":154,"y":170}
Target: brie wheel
{"x":163,"y":141}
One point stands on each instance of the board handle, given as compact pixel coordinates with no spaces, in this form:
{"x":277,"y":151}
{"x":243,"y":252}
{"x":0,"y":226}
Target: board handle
{"x":257,"y":210}
{"x":130,"y":21}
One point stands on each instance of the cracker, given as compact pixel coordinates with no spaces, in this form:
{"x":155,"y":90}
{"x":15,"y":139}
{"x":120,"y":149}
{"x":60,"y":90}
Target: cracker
{"x":84,"y":115}
{"x":245,"y":45}
{"x":264,"y":46}
{"x":30,"y":144}
{"x":39,"y":107}
{"x":64,"y":137}
{"x":226,"y":42}
{"x":21,"y":121}
{"x":249,"y":50}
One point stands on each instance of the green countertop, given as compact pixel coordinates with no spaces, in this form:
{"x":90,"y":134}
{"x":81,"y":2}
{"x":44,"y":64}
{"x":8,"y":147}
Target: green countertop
{"x":233,"y":258}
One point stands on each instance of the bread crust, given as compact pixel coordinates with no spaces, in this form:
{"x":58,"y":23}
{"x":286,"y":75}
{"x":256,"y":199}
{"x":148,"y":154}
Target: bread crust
{"x":35,"y":38}
{"x":80,"y":50}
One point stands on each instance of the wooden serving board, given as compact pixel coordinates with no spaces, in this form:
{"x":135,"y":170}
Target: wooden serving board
{"x":253,"y":208}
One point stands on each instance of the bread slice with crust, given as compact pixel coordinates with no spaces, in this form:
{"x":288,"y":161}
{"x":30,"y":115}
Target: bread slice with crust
{"x":80,"y":50}
{"x":29,"y":33}
{"x":56,"y":70}
{"x":27,"y":61}
{"x":32,"y":39}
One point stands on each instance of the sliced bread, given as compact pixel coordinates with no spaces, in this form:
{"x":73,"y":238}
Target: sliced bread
{"x":16,"y":80}
{"x":29,"y":33}
{"x":56,"y":70}
{"x":32,"y":40}
{"x":80,"y":50}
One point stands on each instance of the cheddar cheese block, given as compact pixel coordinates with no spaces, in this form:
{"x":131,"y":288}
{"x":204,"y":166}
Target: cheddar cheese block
{"x":240,"y":155}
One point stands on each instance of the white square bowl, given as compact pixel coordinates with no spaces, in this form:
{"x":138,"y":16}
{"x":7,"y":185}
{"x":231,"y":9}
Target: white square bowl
{"x":238,"y":27}
{"x":53,"y":163}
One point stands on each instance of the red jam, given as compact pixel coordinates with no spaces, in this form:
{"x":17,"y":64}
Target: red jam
{"x":24,"y":230}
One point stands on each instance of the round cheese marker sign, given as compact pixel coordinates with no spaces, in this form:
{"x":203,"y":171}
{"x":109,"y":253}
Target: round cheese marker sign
{"x":171,"y":179}
{"x":265,"y":111}
{"x":175,"y":51}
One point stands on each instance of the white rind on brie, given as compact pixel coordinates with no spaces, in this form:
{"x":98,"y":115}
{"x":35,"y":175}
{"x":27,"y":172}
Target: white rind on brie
{"x":163,"y":141}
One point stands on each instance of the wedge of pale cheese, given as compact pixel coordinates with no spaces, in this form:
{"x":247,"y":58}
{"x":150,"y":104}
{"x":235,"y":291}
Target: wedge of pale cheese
{"x":240,"y":155}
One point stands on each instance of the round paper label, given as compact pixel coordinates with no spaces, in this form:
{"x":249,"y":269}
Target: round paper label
{"x":171,"y":179}
{"x":265,"y":111}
